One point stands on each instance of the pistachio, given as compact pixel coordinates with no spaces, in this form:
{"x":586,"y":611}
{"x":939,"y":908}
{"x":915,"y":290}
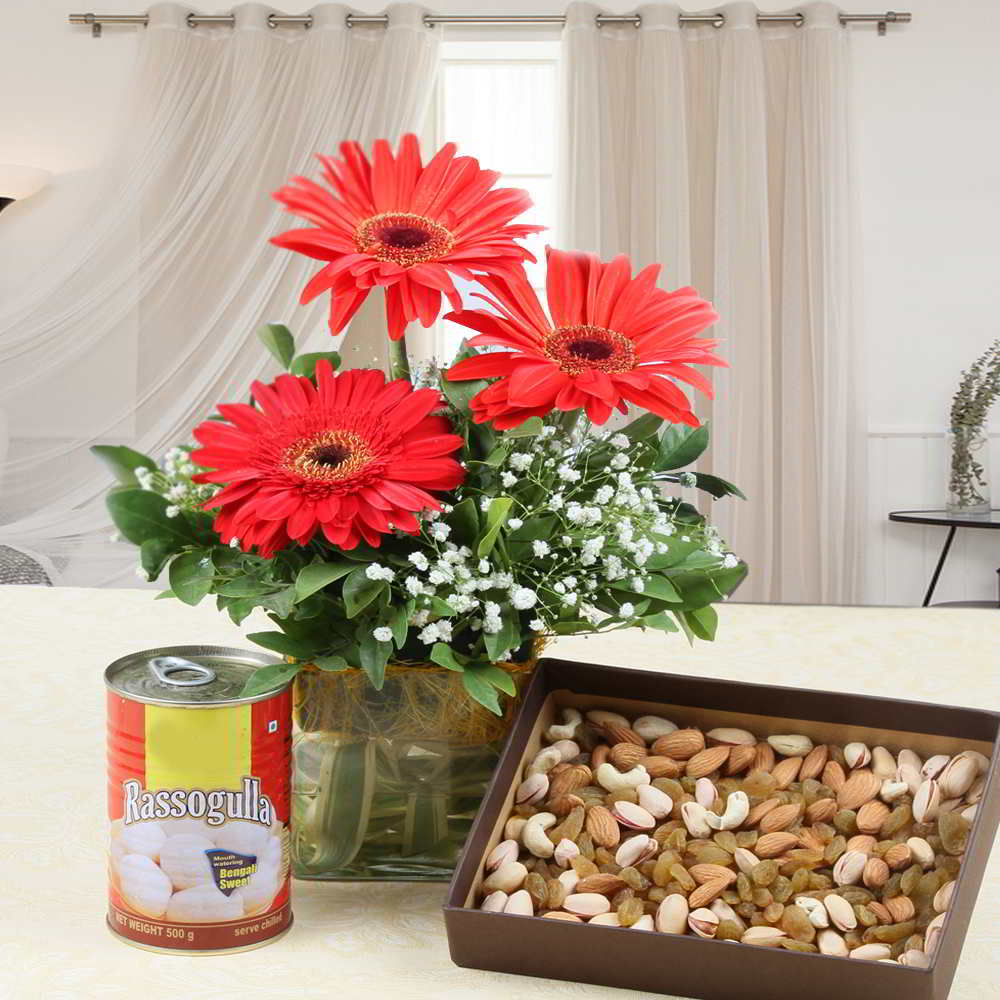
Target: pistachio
{"x":694,"y":817}
{"x":605,"y":919}
{"x":841,"y":912}
{"x":731,"y":737}
{"x":933,"y":766}
{"x":849,"y":868}
{"x":921,"y":852}
{"x":791,"y":746}
{"x":520,"y":902}
{"x":767,"y":937}
{"x":495,"y":902}
{"x":725,"y":912}
{"x":586,"y":904}
{"x":871,"y":952}
{"x":927,"y":801}
{"x":933,"y":933}
{"x":506,"y":850}
{"x":513,"y":827}
{"x":672,"y":914}
{"x":857,"y":755}
{"x":745,"y":860}
{"x":831,"y":943}
{"x":601,"y":718}
{"x":565,"y":851}
{"x":892,"y":790}
{"x":561,"y":915}
{"x":704,"y":792}
{"x":635,"y":850}
{"x":644,"y":923}
{"x":703,"y":922}
{"x":942,"y":898}
{"x":656,"y":802}
{"x":509,"y":877}
{"x":883,"y":764}
{"x":814,"y":910}
{"x":652,"y":727}
{"x":533,"y":789}
{"x":633,"y":816}
{"x":915,"y":958}
{"x":569,"y":879}
{"x":568,"y":749}
{"x":957,"y":778}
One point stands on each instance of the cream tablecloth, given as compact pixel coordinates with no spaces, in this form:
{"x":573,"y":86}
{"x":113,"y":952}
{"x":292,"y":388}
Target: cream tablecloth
{"x":376,"y":940}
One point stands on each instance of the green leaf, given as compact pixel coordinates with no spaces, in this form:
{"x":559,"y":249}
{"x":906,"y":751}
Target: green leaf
{"x":267,"y":678}
{"x":332,"y":663}
{"x":643,"y":427}
{"x":278,"y":339}
{"x":495,"y":518}
{"x":123,"y":461}
{"x":400,"y":624}
{"x":680,"y":446}
{"x":154,"y":553}
{"x":374,"y":656}
{"x":305,"y":364}
{"x":239,"y":608}
{"x":703,"y":622}
{"x":283,"y":644}
{"x":498,"y":455}
{"x":498,"y":677}
{"x":464,"y":522}
{"x":662,"y":621}
{"x":480,"y":689}
{"x":245,"y":586}
{"x":360,"y":591}
{"x":699,"y":588}
{"x":459,"y":393}
{"x":509,"y":636}
{"x":280,"y":602}
{"x":441,"y":607}
{"x":191,"y":575}
{"x":530,"y":428}
{"x":165,"y":595}
{"x":717,"y":486}
{"x":444,"y":656}
{"x":140,"y":514}
{"x":316,"y":576}
{"x":657,"y":587}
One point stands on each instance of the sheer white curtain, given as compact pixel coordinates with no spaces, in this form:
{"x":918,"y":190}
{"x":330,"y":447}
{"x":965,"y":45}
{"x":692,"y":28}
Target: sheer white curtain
{"x":723,"y":153}
{"x":147,"y":318}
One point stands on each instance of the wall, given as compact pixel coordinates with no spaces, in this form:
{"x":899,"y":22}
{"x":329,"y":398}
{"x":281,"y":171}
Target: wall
{"x":928,"y":186}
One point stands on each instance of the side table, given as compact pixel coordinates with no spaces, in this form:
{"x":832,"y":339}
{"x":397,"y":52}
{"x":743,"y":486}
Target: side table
{"x":952,"y":522}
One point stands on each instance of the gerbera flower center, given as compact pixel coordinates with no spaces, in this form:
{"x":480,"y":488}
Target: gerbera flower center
{"x":403,"y":238}
{"x":328,"y":457}
{"x":582,"y":348}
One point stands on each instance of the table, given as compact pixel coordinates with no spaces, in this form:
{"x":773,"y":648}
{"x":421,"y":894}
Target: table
{"x":953,"y":522}
{"x":359,"y":941}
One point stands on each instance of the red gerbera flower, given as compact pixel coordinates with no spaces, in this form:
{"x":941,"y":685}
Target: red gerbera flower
{"x":352,"y":457}
{"x":397,"y":223}
{"x":612,"y":338}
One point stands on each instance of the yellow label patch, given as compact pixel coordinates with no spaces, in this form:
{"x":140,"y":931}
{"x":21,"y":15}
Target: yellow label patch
{"x":197,"y":747}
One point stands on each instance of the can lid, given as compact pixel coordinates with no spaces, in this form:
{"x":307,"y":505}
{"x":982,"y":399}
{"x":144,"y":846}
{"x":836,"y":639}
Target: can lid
{"x":193,"y":676}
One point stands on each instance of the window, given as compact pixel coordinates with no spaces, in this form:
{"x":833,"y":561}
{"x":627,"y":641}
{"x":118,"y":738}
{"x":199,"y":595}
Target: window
{"x":496,"y":100}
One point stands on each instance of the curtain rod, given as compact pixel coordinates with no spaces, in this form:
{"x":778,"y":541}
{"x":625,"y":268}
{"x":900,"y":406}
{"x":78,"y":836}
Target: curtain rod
{"x":717,"y":20}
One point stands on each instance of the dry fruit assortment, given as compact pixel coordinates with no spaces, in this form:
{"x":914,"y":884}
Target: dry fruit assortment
{"x":844,"y":850}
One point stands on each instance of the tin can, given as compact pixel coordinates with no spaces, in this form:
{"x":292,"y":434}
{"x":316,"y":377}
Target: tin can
{"x":198,"y":801}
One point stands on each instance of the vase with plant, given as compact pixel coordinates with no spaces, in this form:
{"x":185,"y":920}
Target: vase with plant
{"x":415,"y":542}
{"x":967,"y":439}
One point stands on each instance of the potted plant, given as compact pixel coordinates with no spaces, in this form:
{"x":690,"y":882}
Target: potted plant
{"x":415,"y":542}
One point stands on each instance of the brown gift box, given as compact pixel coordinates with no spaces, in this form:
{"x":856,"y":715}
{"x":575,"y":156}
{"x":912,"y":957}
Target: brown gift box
{"x":686,"y":965}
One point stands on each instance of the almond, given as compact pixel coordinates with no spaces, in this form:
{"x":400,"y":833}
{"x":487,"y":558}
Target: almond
{"x":900,"y":908}
{"x":864,"y":843}
{"x":814,"y":762}
{"x":773,"y":844}
{"x":605,"y":884}
{"x":759,"y":811}
{"x":898,"y":857}
{"x":707,"y":761}
{"x":780,"y":818}
{"x":881,"y":911}
{"x":740,"y":759}
{"x":662,"y":767}
{"x":563,"y":805}
{"x":822,"y":811}
{"x":703,"y":874}
{"x":682,"y":744}
{"x":833,"y":776}
{"x":618,"y":733}
{"x":603,"y":827}
{"x":763,"y":757}
{"x":872,"y":815}
{"x":626,"y":755}
{"x":811,"y":840}
{"x":574,"y":777}
{"x":861,"y":787}
{"x":599,"y":755}
{"x":704,"y":894}
{"x":875,"y":873}
{"x":786,"y":771}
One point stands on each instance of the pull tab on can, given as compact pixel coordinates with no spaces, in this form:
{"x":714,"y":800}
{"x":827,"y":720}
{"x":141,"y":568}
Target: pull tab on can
{"x":164,"y":667}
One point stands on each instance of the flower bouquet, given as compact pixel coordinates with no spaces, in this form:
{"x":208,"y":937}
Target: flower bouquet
{"x":416,"y":541}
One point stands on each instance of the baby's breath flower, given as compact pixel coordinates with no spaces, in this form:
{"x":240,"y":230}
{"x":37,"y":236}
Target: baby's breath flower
{"x":419,"y":560}
{"x":376,"y":571}
{"x":620,"y":441}
{"x":730,"y":561}
{"x":540,"y":548}
{"x":508,"y":478}
{"x":521,"y":461}
{"x":514,"y":523}
{"x":440,"y":531}
{"x":627,"y":610}
{"x":383,"y":633}
{"x":523,"y":598}
{"x":172,"y":511}
{"x":619,"y":461}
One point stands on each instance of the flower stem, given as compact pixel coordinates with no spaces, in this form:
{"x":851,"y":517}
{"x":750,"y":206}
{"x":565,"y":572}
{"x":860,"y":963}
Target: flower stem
{"x":399,"y":365}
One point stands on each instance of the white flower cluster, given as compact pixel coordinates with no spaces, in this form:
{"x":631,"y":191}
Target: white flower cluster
{"x":172,"y":480}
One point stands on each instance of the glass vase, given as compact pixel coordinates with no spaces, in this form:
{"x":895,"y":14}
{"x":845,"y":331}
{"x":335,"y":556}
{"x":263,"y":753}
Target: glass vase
{"x":968,"y":470}
{"x":386,"y":783}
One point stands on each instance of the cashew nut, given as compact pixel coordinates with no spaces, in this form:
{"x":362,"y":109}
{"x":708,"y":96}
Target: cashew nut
{"x":735,"y":814}
{"x":533,"y":835}
{"x":571,"y":721}
{"x":610,"y":778}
